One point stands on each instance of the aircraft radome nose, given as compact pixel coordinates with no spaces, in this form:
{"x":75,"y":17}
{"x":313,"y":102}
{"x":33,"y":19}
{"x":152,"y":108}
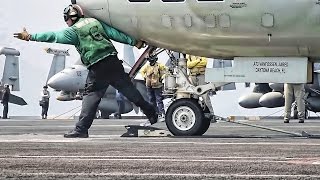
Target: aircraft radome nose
{"x":58,"y":82}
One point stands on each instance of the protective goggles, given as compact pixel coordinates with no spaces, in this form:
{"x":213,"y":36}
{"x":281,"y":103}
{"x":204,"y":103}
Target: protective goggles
{"x":65,"y":17}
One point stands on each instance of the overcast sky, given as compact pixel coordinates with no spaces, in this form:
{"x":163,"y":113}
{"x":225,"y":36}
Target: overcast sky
{"x":46,"y":15}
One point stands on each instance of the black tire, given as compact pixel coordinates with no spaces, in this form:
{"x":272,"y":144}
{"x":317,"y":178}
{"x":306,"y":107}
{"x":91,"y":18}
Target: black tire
{"x":205,"y":126}
{"x":206,"y":123}
{"x":185,"y":117}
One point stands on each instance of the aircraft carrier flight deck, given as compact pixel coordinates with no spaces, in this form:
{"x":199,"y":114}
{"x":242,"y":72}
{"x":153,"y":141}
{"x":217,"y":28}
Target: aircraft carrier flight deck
{"x":35,"y":149}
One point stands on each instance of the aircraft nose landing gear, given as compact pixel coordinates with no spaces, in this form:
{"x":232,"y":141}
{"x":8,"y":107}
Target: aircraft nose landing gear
{"x":185,"y":117}
{"x":187,"y":114}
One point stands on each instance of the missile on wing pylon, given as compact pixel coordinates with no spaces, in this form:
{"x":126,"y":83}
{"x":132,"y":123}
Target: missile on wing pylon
{"x":250,"y":100}
{"x":272,"y":100}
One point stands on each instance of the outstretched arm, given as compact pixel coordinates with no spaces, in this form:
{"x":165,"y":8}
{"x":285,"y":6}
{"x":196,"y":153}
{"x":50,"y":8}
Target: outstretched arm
{"x":121,"y":37}
{"x":66,"y":36}
{"x":117,"y":35}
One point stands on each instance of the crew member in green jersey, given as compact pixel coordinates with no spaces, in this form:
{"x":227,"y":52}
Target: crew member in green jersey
{"x":92,"y":40}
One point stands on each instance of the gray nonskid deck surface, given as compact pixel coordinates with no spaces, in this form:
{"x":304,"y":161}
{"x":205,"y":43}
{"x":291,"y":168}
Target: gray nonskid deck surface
{"x":36,"y":149}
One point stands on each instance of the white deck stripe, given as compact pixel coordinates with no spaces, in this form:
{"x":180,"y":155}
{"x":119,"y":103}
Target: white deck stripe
{"x":59,"y":126}
{"x":166,"y":157}
{"x":175,"y":175}
{"x":277,"y":159}
{"x":117,"y":139}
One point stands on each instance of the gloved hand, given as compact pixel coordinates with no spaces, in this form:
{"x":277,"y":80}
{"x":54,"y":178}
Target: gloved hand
{"x":24,"y":35}
{"x":139,"y":44}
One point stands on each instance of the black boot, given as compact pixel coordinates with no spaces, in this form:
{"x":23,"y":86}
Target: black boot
{"x":76,"y":134}
{"x":148,"y":110}
{"x":151,"y":114}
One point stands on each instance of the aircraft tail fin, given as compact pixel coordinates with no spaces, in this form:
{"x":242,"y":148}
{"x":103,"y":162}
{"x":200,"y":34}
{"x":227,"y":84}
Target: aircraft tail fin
{"x":58,"y":61}
{"x":11,"y":68}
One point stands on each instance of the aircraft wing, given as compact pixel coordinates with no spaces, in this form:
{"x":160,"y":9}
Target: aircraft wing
{"x":14,"y":99}
{"x":17,"y":100}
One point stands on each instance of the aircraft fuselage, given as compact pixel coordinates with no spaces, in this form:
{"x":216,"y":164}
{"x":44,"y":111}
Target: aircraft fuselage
{"x":220,"y":29}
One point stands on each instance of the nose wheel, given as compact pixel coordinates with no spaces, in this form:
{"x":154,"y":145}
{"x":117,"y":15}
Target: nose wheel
{"x":185,"y":117}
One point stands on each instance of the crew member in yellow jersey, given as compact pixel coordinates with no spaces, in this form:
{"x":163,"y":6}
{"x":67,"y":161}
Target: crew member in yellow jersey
{"x":153,"y":73}
{"x":197,"y":66}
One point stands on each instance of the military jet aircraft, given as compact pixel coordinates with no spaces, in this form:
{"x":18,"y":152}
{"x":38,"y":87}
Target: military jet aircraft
{"x":274,"y":41}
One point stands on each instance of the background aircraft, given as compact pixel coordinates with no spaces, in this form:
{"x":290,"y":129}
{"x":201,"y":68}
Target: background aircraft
{"x":11,"y":74}
{"x":71,"y":82}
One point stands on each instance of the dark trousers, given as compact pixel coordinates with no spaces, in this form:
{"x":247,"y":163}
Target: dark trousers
{"x":45,"y":108}
{"x":156,"y":99}
{"x":5,"y":110}
{"x":108,"y":71}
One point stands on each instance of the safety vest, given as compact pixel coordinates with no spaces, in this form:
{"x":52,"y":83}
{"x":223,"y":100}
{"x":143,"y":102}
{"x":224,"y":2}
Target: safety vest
{"x":45,"y":95}
{"x":93,"y":42}
{"x":153,"y":76}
